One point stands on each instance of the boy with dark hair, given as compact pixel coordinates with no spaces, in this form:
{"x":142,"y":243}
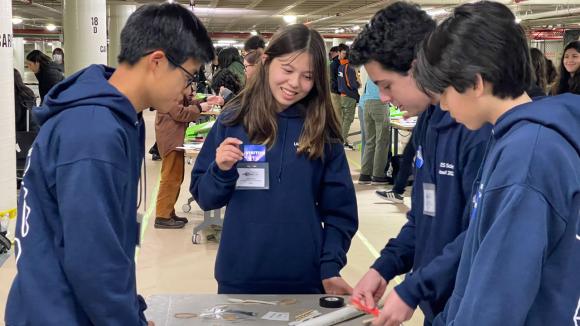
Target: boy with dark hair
{"x":521,"y":256}
{"x":253,"y":43}
{"x":334,"y":92}
{"x":332,"y":53}
{"x":78,"y":225}
{"x":447,"y":159}
{"x":348,"y":85}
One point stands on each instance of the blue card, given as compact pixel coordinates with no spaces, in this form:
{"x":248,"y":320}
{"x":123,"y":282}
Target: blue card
{"x":254,"y":153}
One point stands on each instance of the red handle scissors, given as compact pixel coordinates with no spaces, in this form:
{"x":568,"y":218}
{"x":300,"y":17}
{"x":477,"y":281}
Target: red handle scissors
{"x":372,"y":311}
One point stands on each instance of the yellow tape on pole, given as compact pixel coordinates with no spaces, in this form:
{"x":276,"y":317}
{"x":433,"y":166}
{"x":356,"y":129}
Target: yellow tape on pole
{"x":11,"y":213}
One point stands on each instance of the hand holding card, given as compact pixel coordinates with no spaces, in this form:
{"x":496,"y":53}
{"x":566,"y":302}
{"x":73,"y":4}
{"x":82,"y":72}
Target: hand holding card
{"x":228,"y":153}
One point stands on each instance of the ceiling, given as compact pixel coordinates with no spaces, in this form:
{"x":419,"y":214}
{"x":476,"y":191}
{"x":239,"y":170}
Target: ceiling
{"x":327,"y":16}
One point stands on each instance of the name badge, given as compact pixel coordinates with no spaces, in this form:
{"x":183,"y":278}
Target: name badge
{"x":419,"y":158}
{"x":429,"y":199}
{"x":253,"y":171}
{"x":254,"y":153}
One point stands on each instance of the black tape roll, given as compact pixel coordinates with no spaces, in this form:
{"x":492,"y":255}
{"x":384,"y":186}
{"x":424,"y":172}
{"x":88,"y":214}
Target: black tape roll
{"x":331,"y":302}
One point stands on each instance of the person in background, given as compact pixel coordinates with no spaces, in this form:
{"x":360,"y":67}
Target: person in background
{"x":58,"y":58}
{"x":252,"y":58}
{"x":229,"y":58}
{"x":551,"y":74}
{"x":46,"y":71}
{"x":255,"y":42}
{"x":378,"y":136}
{"x":348,"y":85}
{"x":225,"y":78}
{"x":170,"y":128}
{"x":24,"y":100}
{"x":332,"y":53}
{"x":569,"y":81}
{"x":540,"y":84}
{"x":334,"y":93}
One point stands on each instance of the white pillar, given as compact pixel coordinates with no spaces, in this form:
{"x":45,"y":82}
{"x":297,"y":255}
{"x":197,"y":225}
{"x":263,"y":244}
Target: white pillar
{"x":335,"y":41}
{"x":85,"y":34}
{"x":8,"y":135}
{"x":18,"y":50}
{"x":118,"y":15}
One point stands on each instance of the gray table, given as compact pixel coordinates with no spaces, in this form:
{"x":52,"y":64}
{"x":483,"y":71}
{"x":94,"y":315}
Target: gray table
{"x":162,"y":309}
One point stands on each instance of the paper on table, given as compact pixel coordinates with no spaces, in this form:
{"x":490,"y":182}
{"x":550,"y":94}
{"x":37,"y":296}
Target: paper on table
{"x":277,"y":316}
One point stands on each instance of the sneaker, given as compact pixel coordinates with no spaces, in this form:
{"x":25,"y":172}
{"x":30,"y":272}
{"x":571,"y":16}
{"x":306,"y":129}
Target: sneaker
{"x":364,"y":179}
{"x":349,"y":146}
{"x":379,"y":180}
{"x":390,"y":195}
{"x":168,"y":223}
{"x":182,"y":219}
{"x":156,"y":157}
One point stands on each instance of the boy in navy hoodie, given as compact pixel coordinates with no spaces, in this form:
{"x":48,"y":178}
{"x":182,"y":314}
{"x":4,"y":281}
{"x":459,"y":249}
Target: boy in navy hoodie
{"x":447,"y":160}
{"x":521,"y":258}
{"x":77,"y":222}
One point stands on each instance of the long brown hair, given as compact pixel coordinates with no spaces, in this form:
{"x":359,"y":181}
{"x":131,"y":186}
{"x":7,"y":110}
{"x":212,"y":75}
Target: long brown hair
{"x":255,"y":106}
{"x":540,"y":69}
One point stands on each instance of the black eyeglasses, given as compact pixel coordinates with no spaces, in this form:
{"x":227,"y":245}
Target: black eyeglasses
{"x":190,"y":77}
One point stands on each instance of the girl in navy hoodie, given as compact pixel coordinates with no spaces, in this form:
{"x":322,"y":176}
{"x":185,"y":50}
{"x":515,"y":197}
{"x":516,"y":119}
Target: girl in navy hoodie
{"x":275,"y":158}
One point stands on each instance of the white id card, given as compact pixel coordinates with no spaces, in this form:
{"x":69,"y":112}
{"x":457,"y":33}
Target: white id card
{"x":429,"y":199}
{"x":253,"y":176}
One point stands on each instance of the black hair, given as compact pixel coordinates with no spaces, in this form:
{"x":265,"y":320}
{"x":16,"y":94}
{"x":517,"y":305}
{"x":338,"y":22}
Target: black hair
{"x":228,"y":56}
{"x":551,"y":72}
{"x":479,"y":38}
{"x":37,"y":56}
{"x":254,"y":56}
{"x":168,"y":27}
{"x":343,"y":47}
{"x":334,"y":49}
{"x":567,"y":82}
{"x":392,"y":37}
{"x":227,"y":79}
{"x":540,"y":70}
{"x":255,"y":42}
{"x":58,"y":51}
{"x":20,"y":87}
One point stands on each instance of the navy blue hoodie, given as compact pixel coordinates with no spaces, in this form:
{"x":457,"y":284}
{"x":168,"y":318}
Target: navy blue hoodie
{"x":274,"y":241}
{"x":451,"y":156}
{"x":77,"y":226}
{"x":521,"y":259}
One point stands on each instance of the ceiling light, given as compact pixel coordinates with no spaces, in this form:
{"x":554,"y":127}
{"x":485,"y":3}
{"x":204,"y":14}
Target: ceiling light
{"x":51,"y":27}
{"x":518,"y":20}
{"x":290,"y":19}
{"x":437,"y":12}
{"x":16,"y":20}
{"x":254,"y":32}
{"x":227,"y":42}
{"x":336,"y":31}
{"x":355,"y":27}
{"x":341,"y":30}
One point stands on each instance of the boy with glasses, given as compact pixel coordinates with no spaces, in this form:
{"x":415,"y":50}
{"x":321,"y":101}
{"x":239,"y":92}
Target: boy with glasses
{"x":77,"y":226}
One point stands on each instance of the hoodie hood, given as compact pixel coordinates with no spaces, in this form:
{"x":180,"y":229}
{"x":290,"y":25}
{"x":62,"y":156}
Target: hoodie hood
{"x":88,"y":87}
{"x":559,"y":113}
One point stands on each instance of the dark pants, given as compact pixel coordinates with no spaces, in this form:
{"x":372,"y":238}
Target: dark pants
{"x":405,"y":168}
